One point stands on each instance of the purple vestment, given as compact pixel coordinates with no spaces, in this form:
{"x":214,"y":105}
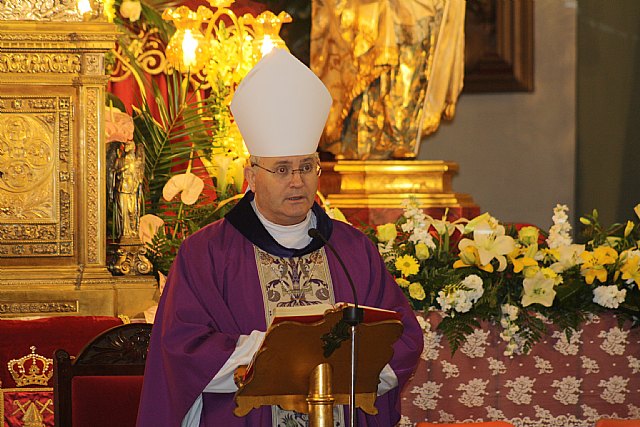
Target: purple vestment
{"x":213,"y":296}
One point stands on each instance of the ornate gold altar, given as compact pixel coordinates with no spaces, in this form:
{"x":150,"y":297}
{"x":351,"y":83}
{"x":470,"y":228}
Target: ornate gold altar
{"x":52,"y":154}
{"x":372,"y":191}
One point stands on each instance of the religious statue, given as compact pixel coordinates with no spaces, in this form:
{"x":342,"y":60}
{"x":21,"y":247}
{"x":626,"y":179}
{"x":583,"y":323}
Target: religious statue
{"x":126,"y":175}
{"x":393,"y":67}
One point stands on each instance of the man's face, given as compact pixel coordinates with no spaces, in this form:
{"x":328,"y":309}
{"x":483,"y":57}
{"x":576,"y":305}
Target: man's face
{"x":284,"y":199}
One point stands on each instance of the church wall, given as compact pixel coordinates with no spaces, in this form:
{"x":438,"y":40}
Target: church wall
{"x":517,"y":150}
{"x":608,"y":113}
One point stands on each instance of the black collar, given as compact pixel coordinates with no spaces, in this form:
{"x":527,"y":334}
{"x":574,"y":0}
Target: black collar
{"x":244,"y":219}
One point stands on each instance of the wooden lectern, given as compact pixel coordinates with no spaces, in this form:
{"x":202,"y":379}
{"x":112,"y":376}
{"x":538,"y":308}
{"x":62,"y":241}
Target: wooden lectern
{"x":290,"y":369}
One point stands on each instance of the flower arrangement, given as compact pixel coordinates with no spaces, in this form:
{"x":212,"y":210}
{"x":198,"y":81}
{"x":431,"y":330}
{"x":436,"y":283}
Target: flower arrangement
{"x":194,"y":157}
{"x":519,"y":277}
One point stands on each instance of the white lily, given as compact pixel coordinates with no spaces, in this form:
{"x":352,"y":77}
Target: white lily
{"x":221,"y":163}
{"x":236,"y":171}
{"x":538,"y":289}
{"x":568,"y":256}
{"x":491,"y":243}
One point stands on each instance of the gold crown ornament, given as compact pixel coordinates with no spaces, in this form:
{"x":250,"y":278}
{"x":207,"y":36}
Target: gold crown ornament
{"x":31,"y":369}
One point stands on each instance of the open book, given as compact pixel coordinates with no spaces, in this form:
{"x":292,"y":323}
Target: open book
{"x":316,"y":312}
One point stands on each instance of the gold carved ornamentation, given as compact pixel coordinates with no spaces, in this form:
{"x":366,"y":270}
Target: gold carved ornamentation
{"x":53,"y":307}
{"x":148,"y":49}
{"x":93,"y":183}
{"x":130,"y":258}
{"x":92,"y":64}
{"x":39,"y":63}
{"x":387,"y":183}
{"x":35,"y":207}
{"x":31,"y":369}
{"x":55,"y":264}
{"x":38,"y":10}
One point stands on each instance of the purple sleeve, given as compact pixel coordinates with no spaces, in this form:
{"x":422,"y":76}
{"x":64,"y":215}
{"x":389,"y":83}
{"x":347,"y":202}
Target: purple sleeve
{"x":195,"y":331}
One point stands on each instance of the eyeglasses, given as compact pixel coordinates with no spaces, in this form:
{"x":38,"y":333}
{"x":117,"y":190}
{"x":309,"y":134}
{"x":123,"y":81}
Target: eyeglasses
{"x":283,"y":171}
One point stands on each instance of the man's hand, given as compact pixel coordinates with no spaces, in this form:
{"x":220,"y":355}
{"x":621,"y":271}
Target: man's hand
{"x":238,"y":375}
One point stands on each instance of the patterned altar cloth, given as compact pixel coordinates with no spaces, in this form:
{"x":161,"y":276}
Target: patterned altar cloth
{"x":563,"y":383}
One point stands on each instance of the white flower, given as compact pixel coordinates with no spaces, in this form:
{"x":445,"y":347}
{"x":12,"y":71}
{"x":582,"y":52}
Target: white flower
{"x":221,"y":163}
{"x":568,"y":256}
{"x":538,"y":289}
{"x":609,"y":296}
{"x":461,"y":297}
{"x":131,"y":9}
{"x":510,"y":311}
{"x":559,"y":233}
{"x":474,"y":284}
{"x":149,"y":226}
{"x":491,"y":242}
{"x":187,"y":184}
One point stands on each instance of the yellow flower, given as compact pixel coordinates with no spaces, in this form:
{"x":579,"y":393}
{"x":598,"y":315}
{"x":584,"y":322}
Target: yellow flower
{"x":628,"y":229}
{"x":407,"y":265}
{"x":386,"y":232}
{"x":416,"y":291}
{"x":402,"y":282}
{"x":630,"y":268}
{"x":593,"y":266}
{"x":469,"y":257}
{"x":531,"y":271}
{"x":521,"y":263}
{"x":422,"y":251}
{"x":528,"y":235}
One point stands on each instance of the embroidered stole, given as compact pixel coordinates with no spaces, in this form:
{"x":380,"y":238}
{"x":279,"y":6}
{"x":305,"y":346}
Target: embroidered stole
{"x":288,"y":282}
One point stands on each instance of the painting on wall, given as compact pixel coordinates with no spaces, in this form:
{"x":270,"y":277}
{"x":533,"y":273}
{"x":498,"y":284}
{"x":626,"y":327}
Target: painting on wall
{"x":499,"y":46}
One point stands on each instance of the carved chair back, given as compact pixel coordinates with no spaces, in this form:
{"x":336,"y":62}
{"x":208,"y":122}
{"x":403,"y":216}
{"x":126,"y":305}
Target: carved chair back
{"x":101,"y":386}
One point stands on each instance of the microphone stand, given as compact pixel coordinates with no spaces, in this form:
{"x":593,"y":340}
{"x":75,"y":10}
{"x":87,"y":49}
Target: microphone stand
{"x":352,"y":316}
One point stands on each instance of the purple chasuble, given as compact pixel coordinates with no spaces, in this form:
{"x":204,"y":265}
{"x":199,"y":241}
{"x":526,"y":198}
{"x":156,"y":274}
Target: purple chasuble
{"x":213,"y":295}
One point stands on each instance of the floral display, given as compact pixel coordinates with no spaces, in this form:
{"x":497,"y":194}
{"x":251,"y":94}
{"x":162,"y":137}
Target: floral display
{"x":194,"y":155}
{"x":519,"y":277}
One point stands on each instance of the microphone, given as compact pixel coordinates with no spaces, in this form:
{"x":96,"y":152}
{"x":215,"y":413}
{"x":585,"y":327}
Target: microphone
{"x":352,"y":315}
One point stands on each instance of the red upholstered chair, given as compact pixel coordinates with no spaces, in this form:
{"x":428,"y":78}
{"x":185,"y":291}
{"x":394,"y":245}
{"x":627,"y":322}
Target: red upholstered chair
{"x":607,"y":422}
{"x":101,"y":386}
{"x":484,"y":424}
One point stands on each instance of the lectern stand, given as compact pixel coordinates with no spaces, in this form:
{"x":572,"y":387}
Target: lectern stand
{"x":290,"y":369}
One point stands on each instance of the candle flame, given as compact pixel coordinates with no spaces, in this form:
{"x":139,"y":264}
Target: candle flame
{"x":189,"y":46}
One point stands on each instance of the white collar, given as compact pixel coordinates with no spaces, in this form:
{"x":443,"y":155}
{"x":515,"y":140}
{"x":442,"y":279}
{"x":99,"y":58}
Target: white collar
{"x":290,"y":236}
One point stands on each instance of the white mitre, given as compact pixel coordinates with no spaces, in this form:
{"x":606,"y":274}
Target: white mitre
{"x":281,"y":107}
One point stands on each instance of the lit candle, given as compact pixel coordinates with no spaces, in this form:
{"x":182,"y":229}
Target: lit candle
{"x":189,"y":46}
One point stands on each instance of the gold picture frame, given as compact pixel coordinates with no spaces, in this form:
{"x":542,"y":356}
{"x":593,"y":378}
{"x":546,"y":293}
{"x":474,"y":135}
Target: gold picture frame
{"x":499,"y":41}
